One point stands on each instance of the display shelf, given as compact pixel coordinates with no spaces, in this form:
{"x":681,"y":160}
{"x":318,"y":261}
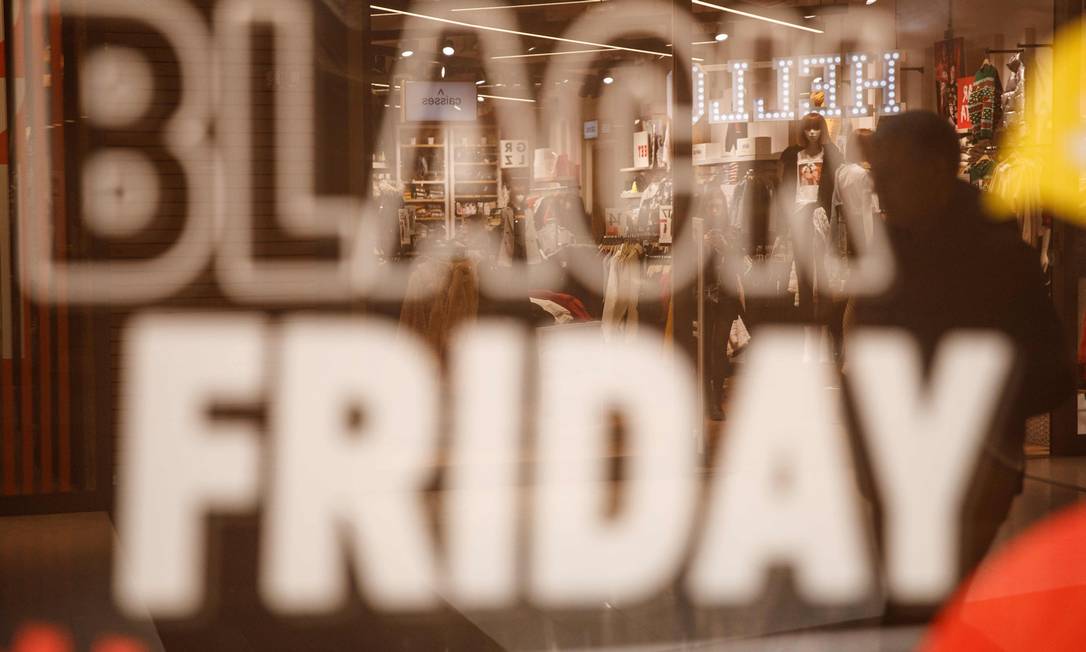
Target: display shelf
{"x":734,"y":159}
{"x":557,"y":180}
{"x":465,"y":143}
{"x":437,"y":200}
{"x":410,"y":146}
{"x":631,"y":195}
{"x":438,"y":182}
{"x":638,"y":169}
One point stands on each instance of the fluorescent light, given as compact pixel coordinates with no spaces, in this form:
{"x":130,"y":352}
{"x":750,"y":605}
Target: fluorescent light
{"x":721,"y":37}
{"x":534,"y":4}
{"x":502,"y":97}
{"x":809,"y":17}
{"x":443,"y":72}
{"x":379,"y":84}
{"x":480,"y":82}
{"x":871,"y":2}
{"x":550,"y":54}
{"x":547,"y":37}
{"x":737,"y":12}
{"x":407,"y":53}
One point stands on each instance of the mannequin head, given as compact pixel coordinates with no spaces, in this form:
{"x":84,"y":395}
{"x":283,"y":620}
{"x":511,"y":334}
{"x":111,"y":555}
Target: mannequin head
{"x":813,"y":131}
{"x":915,"y":164}
{"x":860,"y":146}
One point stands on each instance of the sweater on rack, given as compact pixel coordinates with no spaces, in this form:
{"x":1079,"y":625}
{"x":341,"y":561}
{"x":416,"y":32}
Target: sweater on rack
{"x":985,"y":108}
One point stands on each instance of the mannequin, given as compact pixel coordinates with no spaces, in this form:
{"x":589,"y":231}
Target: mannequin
{"x":854,"y":190}
{"x":807,"y":173}
{"x":516,"y":245}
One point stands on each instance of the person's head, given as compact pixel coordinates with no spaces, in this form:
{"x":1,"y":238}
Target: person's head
{"x":915,"y":165}
{"x":814,"y":130}
{"x":860,"y":145}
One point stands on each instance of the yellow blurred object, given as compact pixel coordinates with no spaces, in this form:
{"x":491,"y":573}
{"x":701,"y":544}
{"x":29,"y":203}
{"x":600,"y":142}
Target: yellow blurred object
{"x":818,"y":98}
{"x":1061,"y":161}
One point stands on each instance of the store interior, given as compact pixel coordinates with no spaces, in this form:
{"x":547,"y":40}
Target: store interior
{"x":557,"y":162}
{"x":588,"y":166}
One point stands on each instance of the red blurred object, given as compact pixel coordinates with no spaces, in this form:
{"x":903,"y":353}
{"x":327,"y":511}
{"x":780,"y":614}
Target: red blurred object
{"x":1030,"y":596}
{"x":38,"y":637}
{"x":118,"y":644}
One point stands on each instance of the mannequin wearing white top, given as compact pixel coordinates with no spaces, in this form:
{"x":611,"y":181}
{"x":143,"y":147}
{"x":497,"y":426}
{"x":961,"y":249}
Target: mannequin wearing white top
{"x":854,"y":190}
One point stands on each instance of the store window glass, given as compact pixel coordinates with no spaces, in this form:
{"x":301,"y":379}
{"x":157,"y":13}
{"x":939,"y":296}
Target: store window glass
{"x":581,"y":324}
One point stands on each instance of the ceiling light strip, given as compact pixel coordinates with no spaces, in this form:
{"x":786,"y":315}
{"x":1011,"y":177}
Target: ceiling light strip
{"x":548,"y":37}
{"x":511,"y":99}
{"x":767,"y":19}
{"x":534,"y":4}
{"x":551,"y":54}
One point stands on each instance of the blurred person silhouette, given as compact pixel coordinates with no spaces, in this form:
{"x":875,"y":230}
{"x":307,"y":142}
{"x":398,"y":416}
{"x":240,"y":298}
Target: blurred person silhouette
{"x":960,"y":268}
{"x":722,"y":307}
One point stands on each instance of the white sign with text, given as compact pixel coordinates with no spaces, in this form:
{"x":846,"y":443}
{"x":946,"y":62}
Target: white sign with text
{"x":514,"y":154}
{"x":440,"y":101}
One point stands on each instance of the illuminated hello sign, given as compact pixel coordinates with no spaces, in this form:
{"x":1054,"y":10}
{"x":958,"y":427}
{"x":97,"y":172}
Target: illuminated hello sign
{"x":870,"y":94}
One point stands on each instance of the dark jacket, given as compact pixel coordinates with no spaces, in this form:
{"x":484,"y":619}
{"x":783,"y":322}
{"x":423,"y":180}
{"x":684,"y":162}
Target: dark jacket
{"x":975,"y":272}
{"x":831,"y":160}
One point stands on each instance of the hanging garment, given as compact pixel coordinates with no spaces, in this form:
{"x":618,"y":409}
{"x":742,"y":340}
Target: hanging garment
{"x":560,"y":314}
{"x":552,"y":238}
{"x":571,"y":303}
{"x":519,"y":238}
{"x":1017,"y":183}
{"x":1082,"y":349}
{"x":1014,"y":95}
{"x":752,"y":201}
{"x":985,"y":109}
{"x":623,"y":289}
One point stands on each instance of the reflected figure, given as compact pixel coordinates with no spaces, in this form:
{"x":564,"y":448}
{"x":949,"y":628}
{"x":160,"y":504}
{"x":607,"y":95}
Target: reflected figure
{"x":959,"y":268}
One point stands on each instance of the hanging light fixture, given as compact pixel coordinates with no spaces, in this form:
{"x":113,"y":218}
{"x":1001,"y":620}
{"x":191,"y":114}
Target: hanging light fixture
{"x":608,"y":78}
{"x":447,"y":48}
{"x":721,"y":37}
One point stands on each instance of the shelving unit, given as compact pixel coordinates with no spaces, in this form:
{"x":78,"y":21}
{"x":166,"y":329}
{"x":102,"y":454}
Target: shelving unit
{"x":476,"y":178}
{"x":427,"y":197}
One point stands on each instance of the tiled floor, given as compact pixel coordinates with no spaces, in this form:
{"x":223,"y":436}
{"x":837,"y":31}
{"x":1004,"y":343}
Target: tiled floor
{"x":56,"y":569}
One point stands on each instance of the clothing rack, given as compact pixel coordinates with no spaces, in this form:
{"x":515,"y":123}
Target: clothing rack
{"x":1034,"y":45}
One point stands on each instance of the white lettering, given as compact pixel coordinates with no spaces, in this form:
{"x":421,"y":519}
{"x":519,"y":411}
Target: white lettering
{"x":786,"y":491}
{"x":924,"y":442}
